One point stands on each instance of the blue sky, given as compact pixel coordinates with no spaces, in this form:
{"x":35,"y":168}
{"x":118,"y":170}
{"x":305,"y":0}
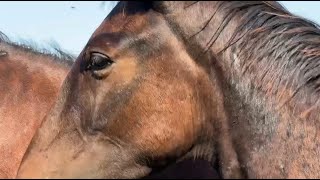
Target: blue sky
{"x":47,"y":21}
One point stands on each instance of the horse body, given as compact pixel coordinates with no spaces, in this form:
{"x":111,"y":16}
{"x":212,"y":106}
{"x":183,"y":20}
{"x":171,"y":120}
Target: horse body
{"x":29,"y":85}
{"x":234,"y":82}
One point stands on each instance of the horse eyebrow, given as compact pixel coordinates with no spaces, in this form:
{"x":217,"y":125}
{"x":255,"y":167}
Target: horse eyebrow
{"x":112,"y":39}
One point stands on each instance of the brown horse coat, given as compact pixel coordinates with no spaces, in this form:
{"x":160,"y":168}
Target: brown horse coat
{"x":29,"y":84}
{"x":233,"y":82}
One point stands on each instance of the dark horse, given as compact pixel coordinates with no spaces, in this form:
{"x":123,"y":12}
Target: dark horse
{"x":230,"y":82}
{"x":29,"y":83}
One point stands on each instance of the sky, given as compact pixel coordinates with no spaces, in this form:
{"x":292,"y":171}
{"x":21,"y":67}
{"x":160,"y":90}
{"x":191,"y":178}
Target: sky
{"x":71,"y":23}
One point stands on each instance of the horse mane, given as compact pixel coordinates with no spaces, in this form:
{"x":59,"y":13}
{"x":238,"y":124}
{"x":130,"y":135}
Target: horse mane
{"x":55,"y":52}
{"x":283,"y":48}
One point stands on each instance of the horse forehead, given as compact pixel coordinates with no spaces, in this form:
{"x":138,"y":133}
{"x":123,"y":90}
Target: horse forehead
{"x":132,"y":23}
{"x":124,"y":30}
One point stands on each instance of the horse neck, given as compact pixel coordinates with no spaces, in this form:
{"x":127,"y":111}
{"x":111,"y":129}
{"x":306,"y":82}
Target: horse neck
{"x":258,"y":62}
{"x":267,"y":79}
{"x":48,"y":66}
{"x":30,"y":83}
{"x":269,"y":68}
{"x":34,"y":78}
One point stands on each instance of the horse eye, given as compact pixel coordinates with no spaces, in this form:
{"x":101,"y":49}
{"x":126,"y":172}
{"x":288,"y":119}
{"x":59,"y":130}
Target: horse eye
{"x":99,"y":61}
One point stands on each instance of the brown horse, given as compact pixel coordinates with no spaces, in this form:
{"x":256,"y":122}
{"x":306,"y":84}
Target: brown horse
{"x":233,"y":82}
{"x":23,"y":121}
{"x":29,"y":84}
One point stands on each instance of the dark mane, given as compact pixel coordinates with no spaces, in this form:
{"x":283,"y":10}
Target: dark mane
{"x":284,"y":49}
{"x":55,"y":53}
